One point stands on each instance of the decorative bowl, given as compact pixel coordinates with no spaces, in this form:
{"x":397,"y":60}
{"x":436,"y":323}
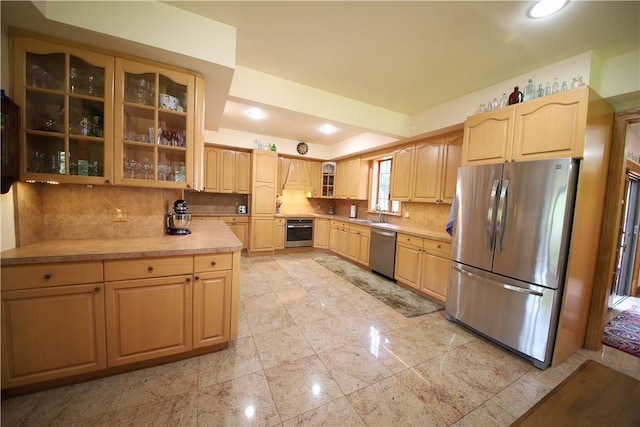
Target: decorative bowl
{"x":168,"y":102}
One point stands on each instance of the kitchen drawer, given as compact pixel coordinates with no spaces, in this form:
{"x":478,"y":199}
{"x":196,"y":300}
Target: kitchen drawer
{"x":234,"y":219}
{"x":280,"y":221}
{"x":362,"y":229}
{"x":15,"y":277}
{"x":339,"y":224}
{"x":442,"y":248}
{"x":212,"y":262}
{"x":143,"y":268}
{"x":409,"y":239}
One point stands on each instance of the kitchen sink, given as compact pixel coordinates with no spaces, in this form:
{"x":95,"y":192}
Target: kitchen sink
{"x":362,"y":221}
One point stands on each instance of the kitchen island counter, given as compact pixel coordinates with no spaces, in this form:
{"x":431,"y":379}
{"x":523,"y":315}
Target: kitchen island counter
{"x":206,"y":238}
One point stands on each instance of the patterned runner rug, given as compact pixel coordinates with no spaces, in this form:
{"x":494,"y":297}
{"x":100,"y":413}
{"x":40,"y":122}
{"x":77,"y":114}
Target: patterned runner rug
{"x":623,"y":332}
{"x":395,"y":296}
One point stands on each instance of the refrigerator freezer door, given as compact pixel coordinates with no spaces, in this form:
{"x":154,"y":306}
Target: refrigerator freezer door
{"x":533,"y":221}
{"x":477,"y":193}
{"x":513,"y":313}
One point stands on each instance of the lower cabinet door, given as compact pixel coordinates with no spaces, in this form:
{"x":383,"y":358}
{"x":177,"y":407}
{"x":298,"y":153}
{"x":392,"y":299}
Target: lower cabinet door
{"x":435,"y":276}
{"x":408,"y":259}
{"x":51,"y":333}
{"x":211,"y":316}
{"x":148,"y":318}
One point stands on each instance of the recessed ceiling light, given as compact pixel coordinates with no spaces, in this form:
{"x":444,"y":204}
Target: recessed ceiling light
{"x":546,"y":7}
{"x":256,"y":114}
{"x":328,"y":129}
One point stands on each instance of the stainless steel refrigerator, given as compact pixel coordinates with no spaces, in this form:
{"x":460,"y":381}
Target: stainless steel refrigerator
{"x":510,"y":244}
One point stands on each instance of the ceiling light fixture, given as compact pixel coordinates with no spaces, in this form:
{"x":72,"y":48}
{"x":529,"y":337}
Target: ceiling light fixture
{"x":545,"y":8}
{"x":328,"y":129}
{"x":256,"y":114}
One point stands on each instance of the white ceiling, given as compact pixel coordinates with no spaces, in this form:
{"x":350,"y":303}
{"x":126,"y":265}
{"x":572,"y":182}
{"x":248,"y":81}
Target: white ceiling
{"x":409,"y":56}
{"x":401,"y":56}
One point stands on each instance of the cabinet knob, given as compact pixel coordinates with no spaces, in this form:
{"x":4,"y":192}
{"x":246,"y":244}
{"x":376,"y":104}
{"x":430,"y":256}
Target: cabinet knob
{"x":197,"y":277}
{"x":97,"y":289}
{"x":188,"y":280}
{"x":47,"y":276}
{"x":150,"y":269}
{"x":213,"y":263}
{"x":107,"y":181}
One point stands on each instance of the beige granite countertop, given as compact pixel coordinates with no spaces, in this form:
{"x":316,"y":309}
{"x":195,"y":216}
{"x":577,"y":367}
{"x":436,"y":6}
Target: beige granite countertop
{"x":440,"y":236}
{"x":206,"y":237}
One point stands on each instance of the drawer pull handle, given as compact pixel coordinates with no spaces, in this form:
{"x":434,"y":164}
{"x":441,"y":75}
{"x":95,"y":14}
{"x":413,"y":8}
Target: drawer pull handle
{"x":149,"y":269}
{"x":213,"y":263}
{"x":47,"y":276}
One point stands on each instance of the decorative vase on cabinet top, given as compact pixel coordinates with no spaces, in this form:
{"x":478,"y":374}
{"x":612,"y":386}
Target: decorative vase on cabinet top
{"x":516,"y":96}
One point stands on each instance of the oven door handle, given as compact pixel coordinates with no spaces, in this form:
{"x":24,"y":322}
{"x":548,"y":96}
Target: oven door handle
{"x":299,"y":226}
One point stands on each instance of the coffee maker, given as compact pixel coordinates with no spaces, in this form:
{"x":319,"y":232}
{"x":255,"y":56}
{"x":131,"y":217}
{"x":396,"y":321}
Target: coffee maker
{"x":178,"y":219}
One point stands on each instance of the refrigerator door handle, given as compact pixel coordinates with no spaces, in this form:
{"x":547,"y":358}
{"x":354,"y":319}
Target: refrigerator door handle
{"x":502,"y":285}
{"x":491,"y":230}
{"x":501,"y":220}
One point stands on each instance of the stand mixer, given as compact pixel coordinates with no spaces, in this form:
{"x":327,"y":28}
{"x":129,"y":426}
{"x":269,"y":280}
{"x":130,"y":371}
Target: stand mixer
{"x":178,"y":219}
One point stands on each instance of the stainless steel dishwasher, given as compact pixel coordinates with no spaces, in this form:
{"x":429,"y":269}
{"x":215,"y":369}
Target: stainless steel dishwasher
{"x":382,"y":252}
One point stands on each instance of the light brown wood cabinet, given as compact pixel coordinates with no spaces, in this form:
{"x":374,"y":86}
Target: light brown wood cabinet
{"x":53,"y":322}
{"x":154,"y":126}
{"x":315,"y":176}
{"x":239,"y":226}
{"x":279,"y":234}
{"x":234,"y":171}
{"x":321,"y":233}
{"x":212,"y":299}
{"x":427,"y":170}
{"x":352,"y":179}
{"x":550,"y":127}
{"x":66,"y":119}
{"x":359,"y":243}
{"x":339,"y":237}
{"x":423,"y":264}
{"x":211,"y":165}
{"x":148,"y":308}
{"x":263,"y":191}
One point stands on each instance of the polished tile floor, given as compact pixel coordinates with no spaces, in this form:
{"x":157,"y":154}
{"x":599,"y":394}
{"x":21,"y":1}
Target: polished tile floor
{"x":315,"y":350}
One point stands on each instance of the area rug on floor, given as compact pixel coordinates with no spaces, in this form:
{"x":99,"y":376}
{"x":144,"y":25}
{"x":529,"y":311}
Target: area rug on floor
{"x":623,"y":332}
{"x":593,"y":395}
{"x":395,"y":296}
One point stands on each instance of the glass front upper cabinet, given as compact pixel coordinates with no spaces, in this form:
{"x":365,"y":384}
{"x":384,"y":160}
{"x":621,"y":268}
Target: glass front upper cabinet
{"x":154,"y":124}
{"x":66,"y":115}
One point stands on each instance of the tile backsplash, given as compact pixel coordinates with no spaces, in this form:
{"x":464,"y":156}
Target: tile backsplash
{"x":54,"y":212}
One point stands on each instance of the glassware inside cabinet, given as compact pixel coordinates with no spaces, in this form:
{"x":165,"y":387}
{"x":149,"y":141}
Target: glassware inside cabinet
{"x":85,"y":79}
{"x":138,"y":161}
{"x":45,"y":71}
{"x":171,"y":95}
{"x":86,"y":117}
{"x":140,"y":88}
{"x":44,"y":153}
{"x":44,"y":112}
{"x":86,"y":157}
{"x":139,"y":124}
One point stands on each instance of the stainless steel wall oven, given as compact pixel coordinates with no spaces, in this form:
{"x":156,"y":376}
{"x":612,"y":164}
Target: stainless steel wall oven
{"x":299,"y":233}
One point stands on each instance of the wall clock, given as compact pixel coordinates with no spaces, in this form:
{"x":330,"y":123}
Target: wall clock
{"x":302,"y":148}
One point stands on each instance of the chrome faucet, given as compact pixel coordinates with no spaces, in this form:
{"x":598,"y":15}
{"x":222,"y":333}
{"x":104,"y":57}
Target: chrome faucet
{"x":381,"y":217}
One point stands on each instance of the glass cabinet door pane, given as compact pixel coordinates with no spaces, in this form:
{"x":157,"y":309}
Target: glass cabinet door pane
{"x":44,"y":112}
{"x":45,"y":71}
{"x":85,"y":79}
{"x":85,"y":157}
{"x":45,"y":154}
{"x":171,"y":95}
{"x":140,"y":88}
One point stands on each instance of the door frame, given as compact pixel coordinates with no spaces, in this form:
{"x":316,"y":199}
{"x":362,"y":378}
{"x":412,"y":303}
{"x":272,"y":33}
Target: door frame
{"x":609,"y":231}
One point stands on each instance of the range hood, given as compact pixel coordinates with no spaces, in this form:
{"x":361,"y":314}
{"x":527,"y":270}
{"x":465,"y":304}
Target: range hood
{"x":297,"y":176}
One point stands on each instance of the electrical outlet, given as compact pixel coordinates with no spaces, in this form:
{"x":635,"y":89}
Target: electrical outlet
{"x":119,"y":214}
{"x":406,"y":214}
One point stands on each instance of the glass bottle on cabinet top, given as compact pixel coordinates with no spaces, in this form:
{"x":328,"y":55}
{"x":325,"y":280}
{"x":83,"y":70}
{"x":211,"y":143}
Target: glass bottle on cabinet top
{"x":153,"y":126}
{"x":66,"y":112}
{"x":328,"y":178}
